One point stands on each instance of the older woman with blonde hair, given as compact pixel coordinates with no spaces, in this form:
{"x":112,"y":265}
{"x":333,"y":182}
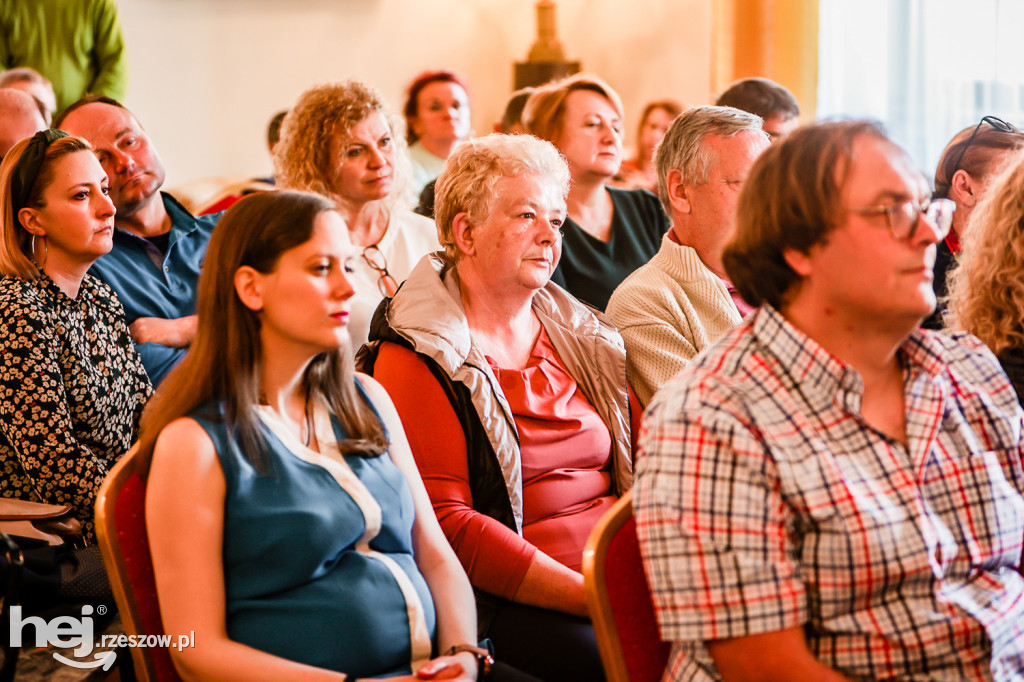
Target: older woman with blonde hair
{"x":341,"y":141}
{"x":609,"y":232}
{"x":514,"y":397}
{"x":986,"y":290}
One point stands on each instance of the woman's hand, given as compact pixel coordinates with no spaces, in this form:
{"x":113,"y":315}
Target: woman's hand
{"x":461,"y":666}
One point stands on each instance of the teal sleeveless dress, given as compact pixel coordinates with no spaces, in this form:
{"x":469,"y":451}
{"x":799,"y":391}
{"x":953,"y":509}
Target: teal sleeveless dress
{"x":318,"y":559}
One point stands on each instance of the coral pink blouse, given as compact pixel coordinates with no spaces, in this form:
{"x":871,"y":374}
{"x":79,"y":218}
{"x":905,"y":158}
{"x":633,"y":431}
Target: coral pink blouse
{"x":565,"y":453}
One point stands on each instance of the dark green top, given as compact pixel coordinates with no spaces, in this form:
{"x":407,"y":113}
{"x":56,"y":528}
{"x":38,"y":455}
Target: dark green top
{"x":590,"y":269}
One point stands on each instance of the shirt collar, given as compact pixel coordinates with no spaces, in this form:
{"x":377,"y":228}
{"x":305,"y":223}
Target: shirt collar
{"x":88,"y":293}
{"x":181,"y":220}
{"x":817,"y":374}
{"x":822,"y":377}
{"x":953,"y":242}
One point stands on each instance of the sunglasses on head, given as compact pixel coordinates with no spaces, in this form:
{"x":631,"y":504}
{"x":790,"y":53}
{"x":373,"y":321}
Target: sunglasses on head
{"x":997,"y":123}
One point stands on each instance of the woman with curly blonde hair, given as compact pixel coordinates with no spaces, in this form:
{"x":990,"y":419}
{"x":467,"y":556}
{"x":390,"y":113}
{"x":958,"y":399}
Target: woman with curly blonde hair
{"x":341,"y":141}
{"x":986,"y":291}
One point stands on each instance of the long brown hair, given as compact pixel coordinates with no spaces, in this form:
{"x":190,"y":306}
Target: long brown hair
{"x":223,"y":362}
{"x":669,"y":106}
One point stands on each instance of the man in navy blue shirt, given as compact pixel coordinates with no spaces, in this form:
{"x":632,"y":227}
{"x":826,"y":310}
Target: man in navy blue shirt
{"x":158,"y":245}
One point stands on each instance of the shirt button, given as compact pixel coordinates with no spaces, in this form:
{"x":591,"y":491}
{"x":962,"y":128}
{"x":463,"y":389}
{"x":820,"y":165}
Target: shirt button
{"x":167,"y":269}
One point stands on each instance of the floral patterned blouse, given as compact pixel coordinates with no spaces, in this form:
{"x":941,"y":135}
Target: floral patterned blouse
{"x":72,"y":389}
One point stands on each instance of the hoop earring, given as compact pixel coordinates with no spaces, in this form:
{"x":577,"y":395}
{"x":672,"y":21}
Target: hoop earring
{"x":32,"y":248}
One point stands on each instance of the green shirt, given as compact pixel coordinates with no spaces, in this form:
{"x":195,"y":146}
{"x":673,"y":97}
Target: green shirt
{"x":76,"y":44}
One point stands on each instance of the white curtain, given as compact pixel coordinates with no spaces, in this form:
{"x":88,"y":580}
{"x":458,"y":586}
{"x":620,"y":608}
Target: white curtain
{"x":924,"y":68}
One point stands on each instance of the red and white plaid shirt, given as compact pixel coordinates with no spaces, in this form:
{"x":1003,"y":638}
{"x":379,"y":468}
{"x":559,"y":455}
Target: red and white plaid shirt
{"x":765,"y":502}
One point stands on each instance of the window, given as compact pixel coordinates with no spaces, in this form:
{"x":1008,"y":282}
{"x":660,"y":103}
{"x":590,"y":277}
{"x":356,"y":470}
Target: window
{"x":925,"y":68}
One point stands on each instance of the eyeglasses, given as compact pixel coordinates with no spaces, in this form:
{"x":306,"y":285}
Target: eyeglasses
{"x":997,"y":123}
{"x":904,"y":217}
{"x":374,"y":257}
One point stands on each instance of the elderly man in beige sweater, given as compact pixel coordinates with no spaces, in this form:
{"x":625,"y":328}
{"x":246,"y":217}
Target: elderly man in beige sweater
{"x":680,"y":301}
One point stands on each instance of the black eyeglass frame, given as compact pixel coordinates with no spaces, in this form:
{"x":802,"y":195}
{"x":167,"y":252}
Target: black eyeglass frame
{"x":994,"y":121}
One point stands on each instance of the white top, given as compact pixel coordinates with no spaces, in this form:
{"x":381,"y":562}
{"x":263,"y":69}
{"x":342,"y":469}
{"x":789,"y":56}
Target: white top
{"x":667,"y":311}
{"x":425,"y":167}
{"x":408,"y":238}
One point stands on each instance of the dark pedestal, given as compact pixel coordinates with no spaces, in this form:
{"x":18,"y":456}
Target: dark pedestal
{"x":532,"y":74}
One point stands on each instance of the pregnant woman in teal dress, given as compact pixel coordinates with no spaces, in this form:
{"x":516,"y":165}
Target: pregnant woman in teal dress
{"x":289,"y":527}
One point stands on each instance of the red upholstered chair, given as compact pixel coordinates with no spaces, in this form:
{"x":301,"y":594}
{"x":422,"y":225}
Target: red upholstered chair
{"x":620,"y":599}
{"x":121,"y":530}
{"x":231,"y":194}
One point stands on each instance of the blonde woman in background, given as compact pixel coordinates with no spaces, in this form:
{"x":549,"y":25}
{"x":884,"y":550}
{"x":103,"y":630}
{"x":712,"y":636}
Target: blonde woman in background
{"x":609,"y":232}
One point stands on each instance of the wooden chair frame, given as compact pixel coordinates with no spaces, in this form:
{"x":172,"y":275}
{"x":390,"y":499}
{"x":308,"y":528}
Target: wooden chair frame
{"x":113,"y":559}
{"x":603,"y":601}
{"x":594,"y":580}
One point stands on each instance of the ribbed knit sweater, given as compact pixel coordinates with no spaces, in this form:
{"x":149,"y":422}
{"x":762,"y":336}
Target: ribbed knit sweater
{"x":667,"y":311}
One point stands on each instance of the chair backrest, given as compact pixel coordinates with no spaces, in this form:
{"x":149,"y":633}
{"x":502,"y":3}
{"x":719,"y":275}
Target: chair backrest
{"x":121,"y":531}
{"x":620,"y":599}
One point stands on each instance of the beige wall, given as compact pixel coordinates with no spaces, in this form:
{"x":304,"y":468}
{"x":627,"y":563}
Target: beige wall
{"x":206,"y":75}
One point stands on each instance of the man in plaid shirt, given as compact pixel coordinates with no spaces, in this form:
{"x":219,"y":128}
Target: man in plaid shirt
{"x":829,"y":492}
